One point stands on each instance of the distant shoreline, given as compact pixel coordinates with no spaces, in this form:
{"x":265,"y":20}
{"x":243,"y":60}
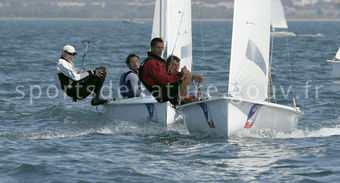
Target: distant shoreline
{"x":120,"y":19}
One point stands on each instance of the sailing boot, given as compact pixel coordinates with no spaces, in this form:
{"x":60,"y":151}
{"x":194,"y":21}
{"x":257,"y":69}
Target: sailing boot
{"x":98,"y":101}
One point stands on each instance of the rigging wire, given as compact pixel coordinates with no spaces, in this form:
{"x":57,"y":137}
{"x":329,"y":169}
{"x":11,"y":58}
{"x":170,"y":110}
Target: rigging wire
{"x":291,"y":74}
{"x":202,"y":45}
{"x":85,"y":53}
{"x":178,"y":32}
{"x":271,"y":83}
{"x":87,"y":44}
{"x":179,"y":27}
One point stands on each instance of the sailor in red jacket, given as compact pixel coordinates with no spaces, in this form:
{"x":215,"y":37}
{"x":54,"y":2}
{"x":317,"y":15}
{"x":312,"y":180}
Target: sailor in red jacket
{"x":164,"y":85}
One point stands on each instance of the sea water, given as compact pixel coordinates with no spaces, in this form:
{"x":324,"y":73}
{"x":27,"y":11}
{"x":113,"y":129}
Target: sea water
{"x":45,"y":137}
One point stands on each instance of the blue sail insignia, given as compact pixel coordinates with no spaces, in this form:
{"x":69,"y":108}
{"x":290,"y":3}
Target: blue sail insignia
{"x":152,"y":112}
{"x":252,"y":115}
{"x":254,"y":54}
{"x":207,"y":114}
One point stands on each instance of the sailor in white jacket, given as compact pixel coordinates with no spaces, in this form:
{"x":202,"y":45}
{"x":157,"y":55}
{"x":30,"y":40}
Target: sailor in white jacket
{"x":78,"y":83}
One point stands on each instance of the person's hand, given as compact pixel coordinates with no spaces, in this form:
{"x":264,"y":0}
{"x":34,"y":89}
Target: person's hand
{"x":100,"y":71}
{"x":184,"y":71}
{"x":103,"y":68}
{"x":186,"y":74}
{"x":197,"y":78}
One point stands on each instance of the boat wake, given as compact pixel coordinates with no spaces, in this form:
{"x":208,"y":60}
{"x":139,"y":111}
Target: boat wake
{"x":46,"y":134}
{"x":312,"y":35}
{"x":297,"y":133}
{"x":147,"y":128}
{"x":79,"y":129}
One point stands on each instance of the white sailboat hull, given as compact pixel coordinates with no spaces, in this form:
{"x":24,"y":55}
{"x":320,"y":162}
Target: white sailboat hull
{"x":335,"y":68}
{"x":141,"y":109}
{"x":227,"y":116}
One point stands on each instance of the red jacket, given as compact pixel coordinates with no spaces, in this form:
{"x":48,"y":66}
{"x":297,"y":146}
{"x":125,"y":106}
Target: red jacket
{"x":154,"y":71}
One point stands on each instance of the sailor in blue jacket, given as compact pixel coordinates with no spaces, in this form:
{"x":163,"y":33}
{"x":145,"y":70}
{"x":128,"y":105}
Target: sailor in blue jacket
{"x":130,"y":85}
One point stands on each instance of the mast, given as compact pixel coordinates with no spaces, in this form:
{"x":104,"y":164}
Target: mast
{"x":160,"y":18}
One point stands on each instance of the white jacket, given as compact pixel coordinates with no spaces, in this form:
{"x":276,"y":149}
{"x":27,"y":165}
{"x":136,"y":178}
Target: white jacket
{"x":65,"y":68}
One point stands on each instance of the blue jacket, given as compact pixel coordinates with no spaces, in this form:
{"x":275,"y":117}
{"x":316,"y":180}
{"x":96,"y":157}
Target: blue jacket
{"x":126,"y":88}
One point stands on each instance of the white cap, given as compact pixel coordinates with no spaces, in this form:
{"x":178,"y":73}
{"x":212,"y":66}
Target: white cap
{"x":70,"y":49}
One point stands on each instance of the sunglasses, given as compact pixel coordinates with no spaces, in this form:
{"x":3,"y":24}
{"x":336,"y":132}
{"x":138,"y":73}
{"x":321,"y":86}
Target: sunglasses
{"x":70,"y":53}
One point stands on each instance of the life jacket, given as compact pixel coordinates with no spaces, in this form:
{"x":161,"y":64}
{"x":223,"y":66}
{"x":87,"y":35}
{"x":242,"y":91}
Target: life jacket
{"x":125,"y":87}
{"x":155,"y":73}
{"x":155,"y":77}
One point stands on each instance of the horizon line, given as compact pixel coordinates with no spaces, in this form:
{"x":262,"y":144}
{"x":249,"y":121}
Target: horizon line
{"x":149,"y":19}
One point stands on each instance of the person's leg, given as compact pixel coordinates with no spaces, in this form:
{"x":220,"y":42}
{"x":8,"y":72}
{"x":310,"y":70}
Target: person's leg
{"x":83,"y":88}
{"x":98,"y":83}
{"x":171,"y":92}
{"x":80,"y":89}
{"x":157,"y":92}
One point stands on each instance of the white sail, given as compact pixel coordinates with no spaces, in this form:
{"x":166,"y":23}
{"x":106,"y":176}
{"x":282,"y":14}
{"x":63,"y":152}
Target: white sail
{"x":179,"y":31}
{"x":278,"y":16}
{"x":337,"y":57}
{"x":172,"y":22}
{"x":159,"y":20}
{"x":249,"y":64}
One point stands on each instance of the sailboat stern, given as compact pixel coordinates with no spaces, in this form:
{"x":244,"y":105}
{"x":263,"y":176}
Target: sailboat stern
{"x":208,"y":117}
{"x":141,"y":109}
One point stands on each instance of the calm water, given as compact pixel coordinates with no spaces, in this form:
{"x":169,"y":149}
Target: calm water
{"x":47,"y":138}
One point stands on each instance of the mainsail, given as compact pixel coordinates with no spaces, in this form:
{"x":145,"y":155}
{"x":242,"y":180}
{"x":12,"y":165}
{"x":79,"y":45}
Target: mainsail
{"x":249,"y":63}
{"x":172,"y":22}
{"x":159,"y":20}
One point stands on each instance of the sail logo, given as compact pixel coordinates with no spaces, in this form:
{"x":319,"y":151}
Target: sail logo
{"x":152,"y":110}
{"x":250,"y":23}
{"x":252,"y":115}
{"x":207,"y":114}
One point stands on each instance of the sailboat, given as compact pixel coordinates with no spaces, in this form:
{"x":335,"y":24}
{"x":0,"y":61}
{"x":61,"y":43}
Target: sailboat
{"x":172,"y":22}
{"x":336,"y":65}
{"x":245,"y":107}
{"x":132,"y":21}
{"x":278,"y":20}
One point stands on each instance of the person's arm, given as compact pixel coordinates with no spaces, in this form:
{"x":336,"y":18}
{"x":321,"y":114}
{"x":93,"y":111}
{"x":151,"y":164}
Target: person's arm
{"x":68,"y":70}
{"x":133,"y":78}
{"x":79,"y":70}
